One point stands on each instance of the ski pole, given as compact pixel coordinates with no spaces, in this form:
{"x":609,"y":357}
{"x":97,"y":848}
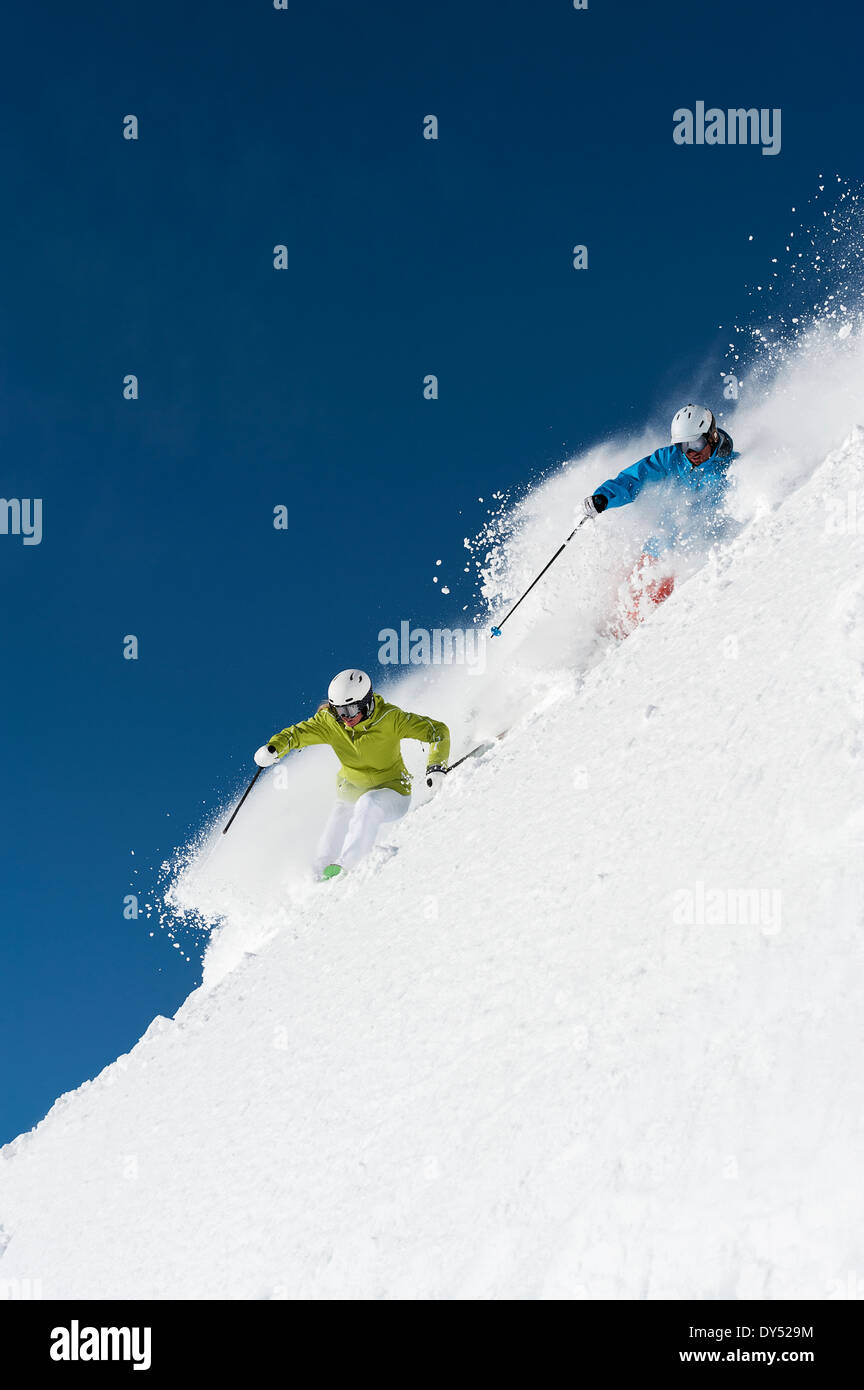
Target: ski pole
{"x":496,"y":631}
{"x":227,"y":827}
{"x":481,"y":748}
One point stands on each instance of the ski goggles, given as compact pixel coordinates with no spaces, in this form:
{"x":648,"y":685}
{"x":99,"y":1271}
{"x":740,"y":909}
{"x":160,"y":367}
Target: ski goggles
{"x":348,"y":711}
{"x":694,"y":446}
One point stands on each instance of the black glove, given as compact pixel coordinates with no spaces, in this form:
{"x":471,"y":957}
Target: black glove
{"x":595,"y":504}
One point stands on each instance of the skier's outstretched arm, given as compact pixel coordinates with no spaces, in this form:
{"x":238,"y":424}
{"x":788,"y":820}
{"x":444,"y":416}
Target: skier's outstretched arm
{"x":301,"y":735}
{"x":626,"y":487}
{"x":427,"y":730}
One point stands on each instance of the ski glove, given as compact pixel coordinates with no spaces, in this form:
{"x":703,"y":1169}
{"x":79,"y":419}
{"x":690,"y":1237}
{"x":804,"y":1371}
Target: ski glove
{"x":266,"y":756}
{"x":435,"y":777}
{"x":595,"y":504}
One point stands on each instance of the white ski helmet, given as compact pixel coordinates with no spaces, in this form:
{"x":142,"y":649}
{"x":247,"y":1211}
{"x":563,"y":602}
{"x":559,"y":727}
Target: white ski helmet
{"x":691,"y":421}
{"x":350,"y":695}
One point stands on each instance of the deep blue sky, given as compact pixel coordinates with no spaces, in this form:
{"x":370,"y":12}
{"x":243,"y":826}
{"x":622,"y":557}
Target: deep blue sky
{"x":303,"y":387}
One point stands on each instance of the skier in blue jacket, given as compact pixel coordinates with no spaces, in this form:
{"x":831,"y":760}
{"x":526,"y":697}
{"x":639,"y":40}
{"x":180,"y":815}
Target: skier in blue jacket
{"x":694,"y":469}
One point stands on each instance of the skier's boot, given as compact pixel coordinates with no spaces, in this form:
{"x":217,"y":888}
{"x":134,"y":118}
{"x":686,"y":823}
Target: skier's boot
{"x":331,"y":871}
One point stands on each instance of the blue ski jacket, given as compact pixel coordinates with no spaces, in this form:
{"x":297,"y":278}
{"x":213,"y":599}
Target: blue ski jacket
{"x":695,"y":493}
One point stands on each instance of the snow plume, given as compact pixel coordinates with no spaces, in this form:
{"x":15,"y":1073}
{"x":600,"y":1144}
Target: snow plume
{"x":799,"y":359}
{"x":800,"y":378}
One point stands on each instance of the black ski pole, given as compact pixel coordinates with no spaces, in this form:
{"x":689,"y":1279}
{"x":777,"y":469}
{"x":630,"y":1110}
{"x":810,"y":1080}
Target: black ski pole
{"x":227,"y":827}
{"x":496,"y":631}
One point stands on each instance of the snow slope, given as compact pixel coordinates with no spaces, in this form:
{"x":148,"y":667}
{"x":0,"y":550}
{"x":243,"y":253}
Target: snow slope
{"x":594,"y":1031}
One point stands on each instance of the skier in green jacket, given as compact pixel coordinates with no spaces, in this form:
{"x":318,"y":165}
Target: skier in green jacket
{"x":373,"y":785}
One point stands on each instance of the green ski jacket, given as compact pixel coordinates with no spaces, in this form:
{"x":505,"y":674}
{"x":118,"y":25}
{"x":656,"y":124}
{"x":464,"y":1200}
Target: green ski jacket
{"x":369,"y":754}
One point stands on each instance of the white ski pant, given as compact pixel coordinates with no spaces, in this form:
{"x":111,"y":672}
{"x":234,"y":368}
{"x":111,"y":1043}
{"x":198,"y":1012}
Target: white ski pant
{"x":353,"y":827}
